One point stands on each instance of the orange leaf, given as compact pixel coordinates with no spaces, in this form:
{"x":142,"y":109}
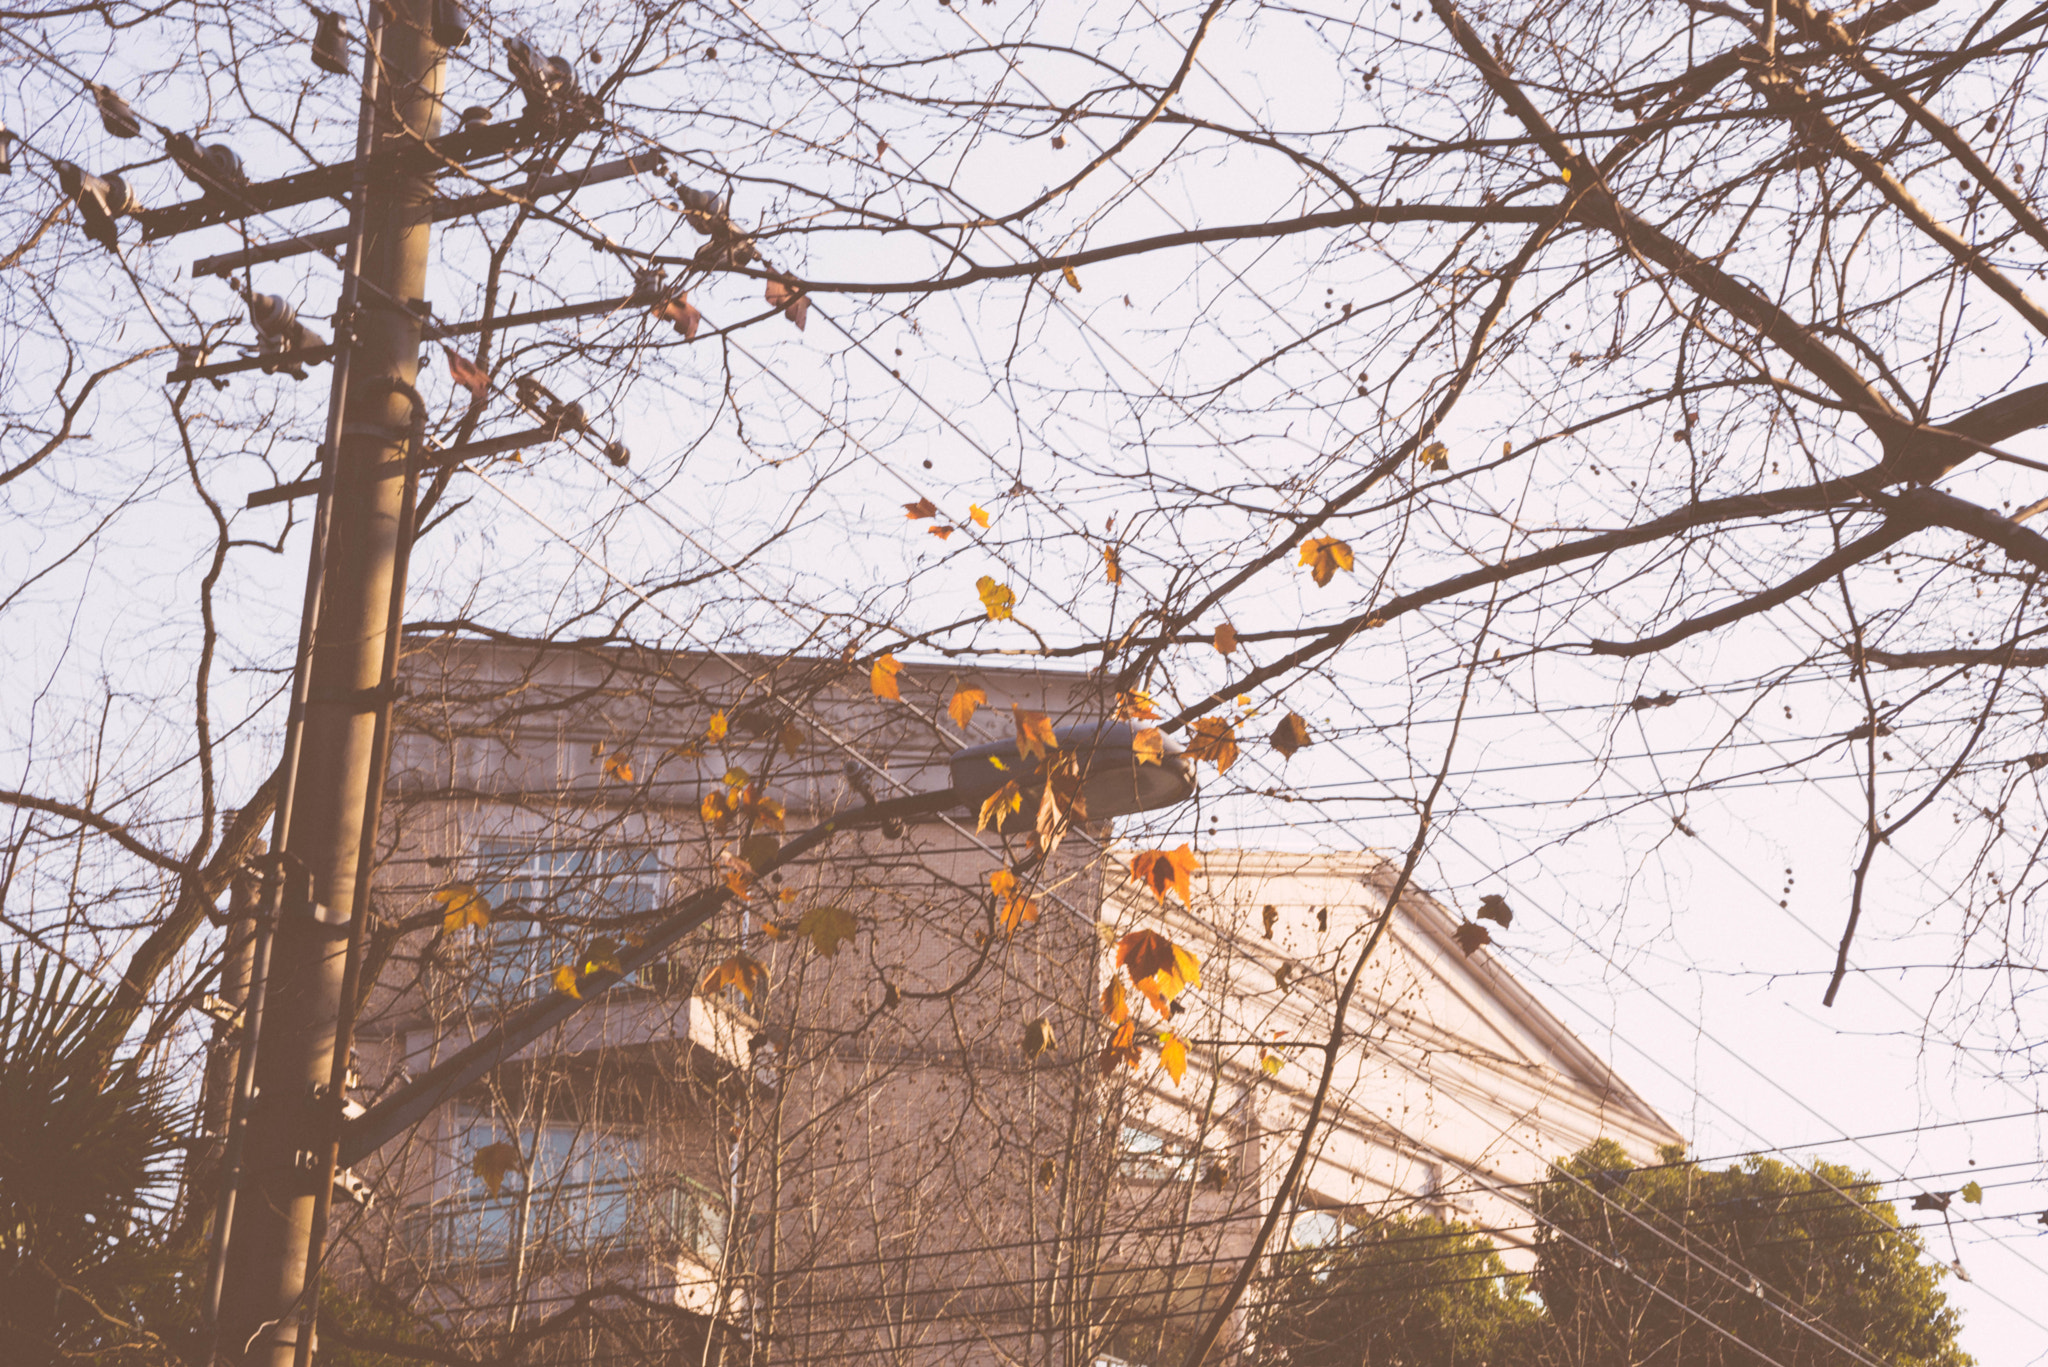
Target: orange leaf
{"x":979,"y":514}
{"x":1173,"y":1055}
{"x":1290,"y":735}
{"x":1122,"y":1048}
{"x":882,"y":678}
{"x":619,"y":766}
{"x":962,"y":707}
{"x":1226,"y":638}
{"x":1215,"y":740}
{"x":1114,"y":1004}
{"x":1034,"y":733}
{"x":1149,"y":746}
{"x":1164,"y":871}
{"x":468,"y":374}
{"x":741,"y":971}
{"x":1014,"y":911}
{"x":714,"y":809}
{"x":941,"y":532}
{"x":922,"y":508}
{"x":1111,"y":570}
{"x":1325,"y":555}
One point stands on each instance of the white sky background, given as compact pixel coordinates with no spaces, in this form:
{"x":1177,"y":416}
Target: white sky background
{"x":1669,"y":951}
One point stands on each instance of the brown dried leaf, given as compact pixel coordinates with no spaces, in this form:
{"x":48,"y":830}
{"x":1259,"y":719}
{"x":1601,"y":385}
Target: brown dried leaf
{"x":1214,"y":739}
{"x":1225,"y":639}
{"x":468,"y":374}
{"x":491,"y":1162}
{"x":1290,"y":735}
{"x":1471,"y":935}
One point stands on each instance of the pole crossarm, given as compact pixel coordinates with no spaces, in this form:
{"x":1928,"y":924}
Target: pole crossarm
{"x":419,"y":1098}
{"x":439,"y":211}
{"x":334,"y":182}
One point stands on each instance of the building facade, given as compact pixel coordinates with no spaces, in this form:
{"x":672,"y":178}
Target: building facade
{"x":864,"y":1113}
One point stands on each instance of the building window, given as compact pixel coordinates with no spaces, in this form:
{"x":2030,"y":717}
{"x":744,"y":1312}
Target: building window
{"x":567,"y":887}
{"x":578,"y":1192}
{"x":1321,"y":1228}
{"x":1144,"y":1156}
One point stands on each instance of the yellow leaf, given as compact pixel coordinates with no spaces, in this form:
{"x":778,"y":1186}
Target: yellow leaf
{"x":741,"y":971}
{"x":1073,"y":280}
{"x":465,"y":906}
{"x":1034,"y":733}
{"x":962,"y":707}
{"x":1270,"y":1063}
{"x":565,"y":981}
{"x":774,"y":931}
{"x":998,"y":600}
{"x":828,"y":927}
{"x":1226,"y":638}
{"x":1213,"y":739}
{"x":1001,"y":804}
{"x":620,"y":767}
{"x":1110,"y":568}
{"x":602,"y":957}
{"x":979,"y":514}
{"x":882,"y":678}
{"x":1566,"y":172}
{"x":1435,"y":456}
{"x":491,"y":1162}
{"x":737,"y":777}
{"x":715,"y":730}
{"x":1326,"y":555}
{"x":1165,"y":871}
{"x":1149,"y":746}
{"x":1136,"y":706}
{"x":1173,"y":1055}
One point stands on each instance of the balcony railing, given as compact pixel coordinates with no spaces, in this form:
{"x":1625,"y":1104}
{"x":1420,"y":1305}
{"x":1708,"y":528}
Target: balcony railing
{"x":561,"y":1222}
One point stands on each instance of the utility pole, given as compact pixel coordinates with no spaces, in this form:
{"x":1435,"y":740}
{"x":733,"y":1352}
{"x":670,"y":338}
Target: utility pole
{"x":342,"y":697}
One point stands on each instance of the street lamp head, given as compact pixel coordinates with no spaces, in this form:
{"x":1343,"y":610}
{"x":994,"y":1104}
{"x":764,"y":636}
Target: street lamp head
{"x":1114,"y":781}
